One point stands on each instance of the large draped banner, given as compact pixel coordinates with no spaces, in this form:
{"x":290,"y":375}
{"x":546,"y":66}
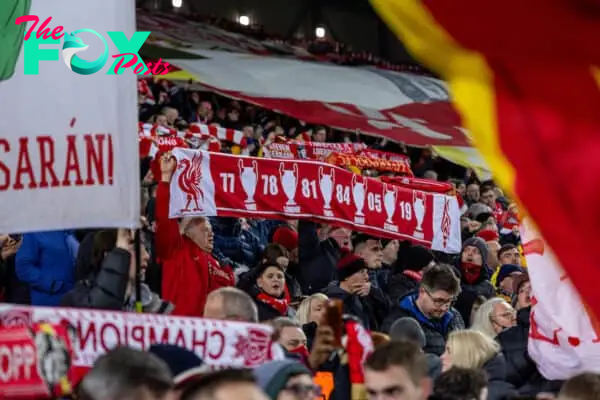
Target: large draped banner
{"x":563,"y":340}
{"x":67,"y":155}
{"x":215,"y":184}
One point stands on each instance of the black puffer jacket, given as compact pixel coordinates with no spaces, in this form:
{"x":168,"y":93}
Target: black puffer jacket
{"x":402,"y":283}
{"x":106,"y":290}
{"x":318,"y":260}
{"x":370,"y":310}
{"x":498,"y":387}
{"x":521,"y":371}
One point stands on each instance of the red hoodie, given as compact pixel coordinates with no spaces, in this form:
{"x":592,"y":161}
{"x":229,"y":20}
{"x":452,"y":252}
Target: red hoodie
{"x":189,"y":274}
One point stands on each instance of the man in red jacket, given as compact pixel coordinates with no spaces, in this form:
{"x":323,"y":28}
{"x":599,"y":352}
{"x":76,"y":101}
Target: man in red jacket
{"x":190,"y":272}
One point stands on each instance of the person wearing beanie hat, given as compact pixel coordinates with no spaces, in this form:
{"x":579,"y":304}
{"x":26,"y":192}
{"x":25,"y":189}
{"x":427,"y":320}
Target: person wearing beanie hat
{"x":505,"y":279}
{"x":184,"y":364}
{"x":287,"y":237}
{"x":474,"y":275}
{"x":360,"y":298}
{"x":406,"y":271}
{"x":286,"y":380}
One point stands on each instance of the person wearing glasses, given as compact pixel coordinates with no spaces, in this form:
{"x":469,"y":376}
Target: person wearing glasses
{"x":431,"y":307}
{"x":286,"y":380}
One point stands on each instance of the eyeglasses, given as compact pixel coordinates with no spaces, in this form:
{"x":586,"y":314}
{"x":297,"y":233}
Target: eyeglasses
{"x":507,"y":314}
{"x":438,"y":301}
{"x":301,"y":391}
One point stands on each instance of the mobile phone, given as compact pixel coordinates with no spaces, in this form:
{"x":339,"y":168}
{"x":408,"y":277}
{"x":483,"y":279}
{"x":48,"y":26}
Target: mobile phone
{"x":333,"y":319}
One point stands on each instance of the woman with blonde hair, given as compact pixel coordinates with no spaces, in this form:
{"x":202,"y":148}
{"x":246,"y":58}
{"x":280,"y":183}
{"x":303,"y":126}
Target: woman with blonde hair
{"x":494,"y":316}
{"x":312,"y":309}
{"x":473,"y":349}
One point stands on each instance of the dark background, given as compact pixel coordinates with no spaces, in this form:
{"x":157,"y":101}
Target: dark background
{"x":352,"y":22}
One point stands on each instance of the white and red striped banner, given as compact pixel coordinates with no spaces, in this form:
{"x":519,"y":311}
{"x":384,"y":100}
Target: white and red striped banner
{"x":216,"y":184}
{"x":308,"y":150}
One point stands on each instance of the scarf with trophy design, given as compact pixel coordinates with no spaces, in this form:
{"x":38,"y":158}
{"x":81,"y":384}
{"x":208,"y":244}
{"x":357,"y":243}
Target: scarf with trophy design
{"x":216,"y":184}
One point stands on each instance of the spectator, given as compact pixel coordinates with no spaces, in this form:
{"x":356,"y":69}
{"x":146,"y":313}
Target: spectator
{"x":490,"y":236}
{"x":230,"y":304}
{"x":286,"y":380}
{"x":431,"y":306}
{"x":312,"y":309}
{"x":407,"y":328}
{"x":504,"y":280}
{"x":584,"y":386}
{"x":369,"y":249}
{"x":473,"y":194}
{"x":109,"y":280}
{"x":318,"y":257}
{"x":460,"y":384}
{"x":388,"y":259}
{"x":360,"y":298}
{"x":126,"y":373}
{"x":289,"y":333}
{"x":474,"y":276}
{"x":190,"y":272}
{"x":494,"y":316}
{"x":473,"y":349}
{"x":238,"y":384}
{"x":185,"y":366}
{"x":270,"y":293}
{"x":397,"y":370}
{"x":509,"y":254}
{"x":521,"y":292}
{"x":15,"y":291}
{"x":407,"y":271}
{"x":46,"y":262}
{"x":277,"y":254}
{"x":431,"y":175}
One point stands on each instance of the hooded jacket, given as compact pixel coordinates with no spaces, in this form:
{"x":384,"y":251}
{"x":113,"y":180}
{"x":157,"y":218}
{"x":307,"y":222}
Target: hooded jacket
{"x":470,"y":291}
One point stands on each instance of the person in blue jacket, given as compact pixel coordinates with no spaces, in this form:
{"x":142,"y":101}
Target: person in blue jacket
{"x":46,"y":261}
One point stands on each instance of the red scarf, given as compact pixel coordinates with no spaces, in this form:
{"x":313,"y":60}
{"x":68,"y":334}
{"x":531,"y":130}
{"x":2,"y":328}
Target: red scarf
{"x":281,"y":305}
{"x":417,"y":276}
{"x":470,"y":271}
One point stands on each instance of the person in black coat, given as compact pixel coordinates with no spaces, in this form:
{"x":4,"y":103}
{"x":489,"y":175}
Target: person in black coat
{"x":498,"y":387}
{"x":521,"y":371}
{"x":474,"y":275}
{"x":269,"y":292}
{"x":318,"y":258}
{"x":360,"y":298}
{"x":407,"y":271}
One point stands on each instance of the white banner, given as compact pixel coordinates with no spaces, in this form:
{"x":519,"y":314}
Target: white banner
{"x":68,"y":158}
{"x":563,"y":340}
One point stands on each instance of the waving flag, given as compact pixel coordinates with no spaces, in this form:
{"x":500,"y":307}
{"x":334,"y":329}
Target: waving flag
{"x":524,"y":76}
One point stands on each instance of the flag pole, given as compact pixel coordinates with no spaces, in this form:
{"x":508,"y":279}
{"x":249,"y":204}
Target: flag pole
{"x":138,"y":271}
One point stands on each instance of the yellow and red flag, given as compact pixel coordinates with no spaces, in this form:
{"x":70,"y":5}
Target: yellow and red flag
{"x":524,"y":76}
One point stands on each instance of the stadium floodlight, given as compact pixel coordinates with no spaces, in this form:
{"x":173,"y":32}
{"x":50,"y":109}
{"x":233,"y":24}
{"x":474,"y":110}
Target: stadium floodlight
{"x":320,"y":32}
{"x":244,"y":20}
{"x":177,"y":3}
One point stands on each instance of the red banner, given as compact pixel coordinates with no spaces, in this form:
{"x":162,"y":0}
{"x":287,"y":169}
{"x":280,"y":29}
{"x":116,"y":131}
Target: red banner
{"x":309,"y":150}
{"x":364,"y":162}
{"x":215,"y":184}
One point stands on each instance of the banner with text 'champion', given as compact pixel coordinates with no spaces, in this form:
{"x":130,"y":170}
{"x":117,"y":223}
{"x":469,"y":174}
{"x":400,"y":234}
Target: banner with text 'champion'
{"x":67,"y":155}
{"x":215,"y":184}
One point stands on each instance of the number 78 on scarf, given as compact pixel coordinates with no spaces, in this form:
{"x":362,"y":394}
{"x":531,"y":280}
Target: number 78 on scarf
{"x":128,"y":56}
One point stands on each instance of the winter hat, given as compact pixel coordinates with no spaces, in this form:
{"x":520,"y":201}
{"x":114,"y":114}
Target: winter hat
{"x":506,"y":270}
{"x":287,"y":237}
{"x":481,"y":246}
{"x":273,"y":376}
{"x":488,"y":235}
{"x":349,"y":265}
{"x":183,"y":364}
{"x":413,"y":257}
{"x":407,"y":328}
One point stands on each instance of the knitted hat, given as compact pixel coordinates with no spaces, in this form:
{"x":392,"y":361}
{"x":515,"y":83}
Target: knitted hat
{"x":349,"y":265}
{"x":287,"y":237}
{"x":481,"y":246}
{"x":488,"y":235}
{"x":506,"y":270}
{"x":413,"y":257}
{"x":273,"y":376}
{"x":183,"y":364}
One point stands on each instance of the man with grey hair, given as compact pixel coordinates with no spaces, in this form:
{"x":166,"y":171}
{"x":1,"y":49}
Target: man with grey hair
{"x":124,"y":373}
{"x":230,"y":304}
